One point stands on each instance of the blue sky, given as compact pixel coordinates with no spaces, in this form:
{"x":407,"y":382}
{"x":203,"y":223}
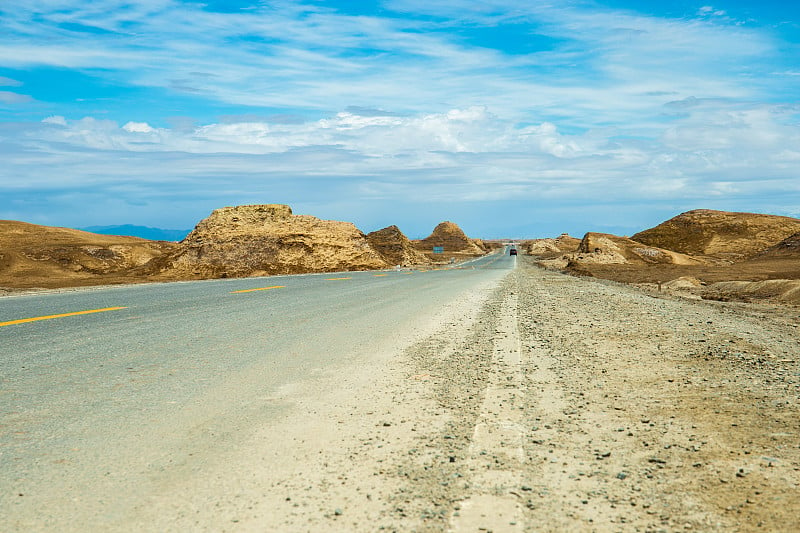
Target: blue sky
{"x":510,"y":118}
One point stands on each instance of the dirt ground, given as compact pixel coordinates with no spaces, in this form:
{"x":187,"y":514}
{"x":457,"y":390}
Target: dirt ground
{"x":753,"y":270}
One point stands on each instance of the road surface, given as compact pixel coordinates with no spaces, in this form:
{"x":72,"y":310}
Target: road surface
{"x":108,"y":394}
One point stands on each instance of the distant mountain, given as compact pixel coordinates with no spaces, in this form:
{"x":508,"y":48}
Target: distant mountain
{"x":144,"y":232}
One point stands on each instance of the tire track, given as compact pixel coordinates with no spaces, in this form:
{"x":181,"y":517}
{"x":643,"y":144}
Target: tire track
{"x":496,"y":452}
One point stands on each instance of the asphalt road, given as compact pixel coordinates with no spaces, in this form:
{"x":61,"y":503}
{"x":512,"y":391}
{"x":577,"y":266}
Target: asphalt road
{"x":95,"y":404}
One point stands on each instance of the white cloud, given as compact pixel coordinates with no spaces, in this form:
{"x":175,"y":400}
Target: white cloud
{"x":58,"y":120}
{"x":8,"y":97}
{"x":459,"y":154}
{"x":603,"y":65}
{"x":138,"y":127}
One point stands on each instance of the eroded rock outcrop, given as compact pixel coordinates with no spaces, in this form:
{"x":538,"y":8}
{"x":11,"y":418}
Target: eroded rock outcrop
{"x":607,"y":249}
{"x":252,"y":240}
{"x":562,"y":244}
{"x":392,"y":244}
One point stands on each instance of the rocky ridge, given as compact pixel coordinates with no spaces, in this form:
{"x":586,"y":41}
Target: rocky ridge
{"x":607,"y":249}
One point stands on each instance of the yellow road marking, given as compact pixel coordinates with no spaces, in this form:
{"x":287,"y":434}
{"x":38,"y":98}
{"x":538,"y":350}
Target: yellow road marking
{"x":380,"y":275}
{"x":48,"y":317}
{"x":259,"y":289}
{"x":335,"y":279}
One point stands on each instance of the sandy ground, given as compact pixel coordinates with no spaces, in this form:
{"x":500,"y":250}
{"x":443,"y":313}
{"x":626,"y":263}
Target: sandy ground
{"x":546,"y":403}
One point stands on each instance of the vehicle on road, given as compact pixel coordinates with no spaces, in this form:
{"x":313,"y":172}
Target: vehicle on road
{"x":513,"y":251}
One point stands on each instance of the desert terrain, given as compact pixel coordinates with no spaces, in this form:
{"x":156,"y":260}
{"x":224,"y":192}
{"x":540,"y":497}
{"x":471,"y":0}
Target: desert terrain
{"x":232,"y":242}
{"x":531,"y":401}
{"x":707,"y":254}
{"x":609,"y":383}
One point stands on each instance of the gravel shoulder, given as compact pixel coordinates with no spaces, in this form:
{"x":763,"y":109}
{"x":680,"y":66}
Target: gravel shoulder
{"x":620,"y":411}
{"x":540,"y":403}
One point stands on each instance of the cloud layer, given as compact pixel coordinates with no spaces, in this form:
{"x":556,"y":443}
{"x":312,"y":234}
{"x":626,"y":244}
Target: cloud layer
{"x":589,"y":117}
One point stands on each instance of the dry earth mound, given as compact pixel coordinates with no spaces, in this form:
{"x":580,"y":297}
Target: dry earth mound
{"x":48,"y":257}
{"x":392,"y":244}
{"x":720,"y":234}
{"x":253,"y":240}
{"x":452,"y":238}
{"x":564,"y":243}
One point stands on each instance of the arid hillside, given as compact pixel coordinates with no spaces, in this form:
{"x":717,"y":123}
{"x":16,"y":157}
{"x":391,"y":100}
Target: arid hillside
{"x":241,"y":241}
{"x":256,"y":240}
{"x":47,"y":257}
{"x":720,"y":234}
{"x":788,"y":248}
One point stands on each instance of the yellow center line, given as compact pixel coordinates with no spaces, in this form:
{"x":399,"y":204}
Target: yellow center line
{"x":380,"y":275}
{"x":335,"y":279}
{"x":259,"y":289}
{"x":49,"y":317}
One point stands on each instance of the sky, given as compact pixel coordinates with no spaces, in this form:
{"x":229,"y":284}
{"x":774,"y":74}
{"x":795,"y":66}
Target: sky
{"x":511,"y":118}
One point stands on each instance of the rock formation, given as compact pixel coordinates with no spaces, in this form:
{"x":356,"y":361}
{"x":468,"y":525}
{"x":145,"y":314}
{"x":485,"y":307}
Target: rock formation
{"x":252,"y":240}
{"x":396,"y":247}
{"x":449,"y":236}
{"x":607,"y":249}
{"x":721,"y":234}
{"x":561,"y":244}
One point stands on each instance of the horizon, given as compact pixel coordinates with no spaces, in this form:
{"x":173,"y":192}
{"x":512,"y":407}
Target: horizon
{"x":147,"y":232}
{"x":511,"y":119}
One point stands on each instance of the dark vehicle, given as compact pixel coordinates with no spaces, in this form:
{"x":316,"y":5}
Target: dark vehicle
{"x":513,"y":251}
